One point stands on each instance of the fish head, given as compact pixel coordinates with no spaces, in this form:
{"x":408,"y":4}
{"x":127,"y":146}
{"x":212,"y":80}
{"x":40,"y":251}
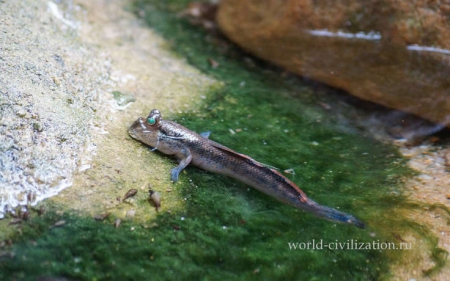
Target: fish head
{"x":147,"y":130}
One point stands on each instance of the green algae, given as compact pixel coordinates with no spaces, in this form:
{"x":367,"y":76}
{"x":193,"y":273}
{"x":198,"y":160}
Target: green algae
{"x":122,"y":99}
{"x":227,"y":230}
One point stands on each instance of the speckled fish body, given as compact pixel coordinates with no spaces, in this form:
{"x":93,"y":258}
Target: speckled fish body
{"x":191,"y":148}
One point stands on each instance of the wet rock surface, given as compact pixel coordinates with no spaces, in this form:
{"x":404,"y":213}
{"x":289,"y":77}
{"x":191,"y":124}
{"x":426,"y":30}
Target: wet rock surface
{"x":396,"y":54}
{"x":50,"y":90}
{"x":72,"y":82}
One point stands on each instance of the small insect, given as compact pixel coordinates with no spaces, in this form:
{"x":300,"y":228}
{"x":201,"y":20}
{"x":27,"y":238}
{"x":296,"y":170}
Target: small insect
{"x":290,"y":171}
{"x":155,"y":198}
{"x":129,"y":194}
{"x":117,"y":223}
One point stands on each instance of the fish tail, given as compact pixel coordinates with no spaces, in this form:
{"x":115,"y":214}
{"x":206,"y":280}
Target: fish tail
{"x":333,"y":214}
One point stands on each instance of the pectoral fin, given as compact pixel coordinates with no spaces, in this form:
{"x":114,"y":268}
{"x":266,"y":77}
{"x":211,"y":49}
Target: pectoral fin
{"x":205,"y":134}
{"x":185,"y":158}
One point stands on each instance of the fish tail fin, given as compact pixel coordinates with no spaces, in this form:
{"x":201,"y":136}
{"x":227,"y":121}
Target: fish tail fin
{"x":334,"y":215}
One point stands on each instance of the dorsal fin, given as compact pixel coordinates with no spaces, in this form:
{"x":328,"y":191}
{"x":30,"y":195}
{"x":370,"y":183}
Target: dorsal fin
{"x":302,"y":195}
{"x":239,"y":155}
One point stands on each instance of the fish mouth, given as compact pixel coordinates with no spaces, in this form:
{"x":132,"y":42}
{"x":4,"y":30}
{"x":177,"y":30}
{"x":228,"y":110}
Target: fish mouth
{"x":132,"y":128}
{"x":131,"y":133}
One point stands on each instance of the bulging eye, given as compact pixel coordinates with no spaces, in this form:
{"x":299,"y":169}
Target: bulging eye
{"x":154,"y":117}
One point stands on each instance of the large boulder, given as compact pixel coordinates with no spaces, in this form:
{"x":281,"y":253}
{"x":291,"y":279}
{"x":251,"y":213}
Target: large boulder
{"x":394,"y":53}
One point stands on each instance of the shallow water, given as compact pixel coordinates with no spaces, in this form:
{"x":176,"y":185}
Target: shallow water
{"x":227,"y":230}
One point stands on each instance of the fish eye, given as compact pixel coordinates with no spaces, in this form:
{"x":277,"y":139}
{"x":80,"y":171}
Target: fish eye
{"x":154,"y":117}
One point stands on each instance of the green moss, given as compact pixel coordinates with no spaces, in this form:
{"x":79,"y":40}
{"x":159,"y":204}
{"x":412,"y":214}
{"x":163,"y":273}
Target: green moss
{"x":227,"y":230}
